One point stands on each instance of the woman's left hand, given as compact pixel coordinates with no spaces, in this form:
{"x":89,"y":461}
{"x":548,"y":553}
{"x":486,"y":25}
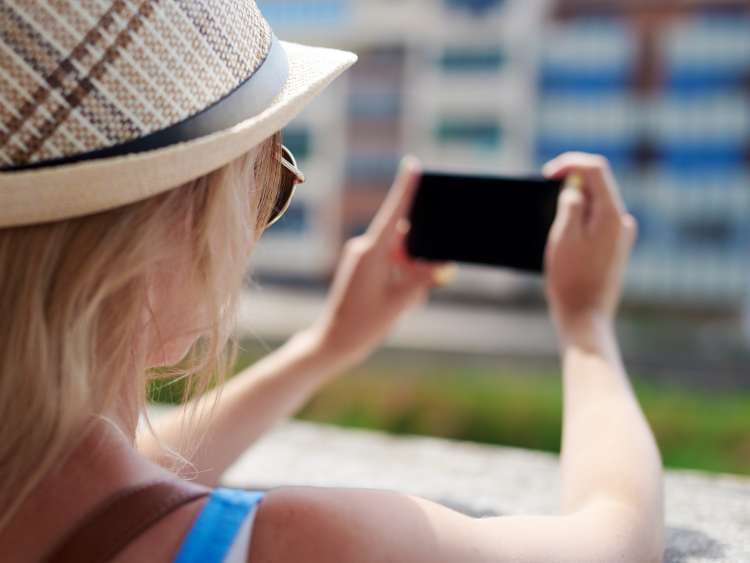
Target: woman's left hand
{"x":376,"y":281}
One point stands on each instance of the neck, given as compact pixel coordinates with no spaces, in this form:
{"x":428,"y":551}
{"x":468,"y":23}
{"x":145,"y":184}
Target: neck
{"x":103,"y":463}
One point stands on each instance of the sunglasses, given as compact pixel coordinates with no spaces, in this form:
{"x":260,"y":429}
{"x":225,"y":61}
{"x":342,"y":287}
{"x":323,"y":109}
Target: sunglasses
{"x":290,"y":177}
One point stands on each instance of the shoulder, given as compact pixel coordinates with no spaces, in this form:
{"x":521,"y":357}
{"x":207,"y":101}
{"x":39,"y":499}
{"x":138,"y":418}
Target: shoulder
{"x":301,"y":524}
{"x":323,"y":525}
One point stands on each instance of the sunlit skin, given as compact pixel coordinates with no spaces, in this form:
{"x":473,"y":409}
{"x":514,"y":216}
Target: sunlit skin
{"x":612,"y":501}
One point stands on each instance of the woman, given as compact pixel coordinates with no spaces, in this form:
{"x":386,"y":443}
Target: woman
{"x":141,"y":162}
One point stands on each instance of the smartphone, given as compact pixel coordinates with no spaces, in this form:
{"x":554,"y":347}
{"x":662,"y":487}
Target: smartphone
{"x":485,"y":220}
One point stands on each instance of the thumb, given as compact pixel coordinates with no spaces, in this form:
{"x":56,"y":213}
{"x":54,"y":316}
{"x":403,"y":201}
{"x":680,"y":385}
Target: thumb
{"x":396,"y":206}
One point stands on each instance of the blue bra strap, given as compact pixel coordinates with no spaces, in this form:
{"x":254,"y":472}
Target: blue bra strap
{"x":217,"y":526}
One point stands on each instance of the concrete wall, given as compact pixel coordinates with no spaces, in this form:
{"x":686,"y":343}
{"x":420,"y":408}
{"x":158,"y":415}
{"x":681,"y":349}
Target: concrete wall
{"x":708,"y":516}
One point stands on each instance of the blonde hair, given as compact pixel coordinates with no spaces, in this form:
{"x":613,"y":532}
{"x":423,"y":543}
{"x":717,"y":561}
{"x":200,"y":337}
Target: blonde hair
{"x":73,"y":295}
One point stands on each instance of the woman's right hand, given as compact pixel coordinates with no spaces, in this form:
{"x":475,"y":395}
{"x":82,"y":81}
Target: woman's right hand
{"x":589,"y":245}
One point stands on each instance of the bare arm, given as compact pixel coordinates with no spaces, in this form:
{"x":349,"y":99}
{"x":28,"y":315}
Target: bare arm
{"x":608,"y":449}
{"x":612,"y":502}
{"x":607,"y":443}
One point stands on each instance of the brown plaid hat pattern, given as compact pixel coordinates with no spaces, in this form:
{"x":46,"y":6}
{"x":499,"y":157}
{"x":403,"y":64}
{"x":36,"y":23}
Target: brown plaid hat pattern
{"x":89,"y":82}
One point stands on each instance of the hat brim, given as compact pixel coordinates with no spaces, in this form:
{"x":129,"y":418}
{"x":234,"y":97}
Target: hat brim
{"x":72,"y":190}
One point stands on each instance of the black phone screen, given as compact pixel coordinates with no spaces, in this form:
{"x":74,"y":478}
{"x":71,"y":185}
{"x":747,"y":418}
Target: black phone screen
{"x":486,"y":220}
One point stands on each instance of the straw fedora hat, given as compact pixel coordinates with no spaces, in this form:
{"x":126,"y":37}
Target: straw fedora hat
{"x":105,"y":103}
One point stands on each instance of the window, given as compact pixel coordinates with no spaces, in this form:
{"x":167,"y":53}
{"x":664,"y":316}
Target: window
{"x":472,"y":60}
{"x":474,"y":7}
{"x":480,"y":133}
{"x":296,"y":221}
{"x":707,"y":232}
{"x":375,"y":103}
{"x":298,"y":141}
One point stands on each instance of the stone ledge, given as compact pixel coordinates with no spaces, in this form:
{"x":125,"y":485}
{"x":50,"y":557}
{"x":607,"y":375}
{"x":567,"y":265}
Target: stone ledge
{"x":708,"y":516}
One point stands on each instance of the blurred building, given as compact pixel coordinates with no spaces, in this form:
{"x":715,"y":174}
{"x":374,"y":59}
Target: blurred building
{"x":453,"y":82}
{"x":660,"y":87}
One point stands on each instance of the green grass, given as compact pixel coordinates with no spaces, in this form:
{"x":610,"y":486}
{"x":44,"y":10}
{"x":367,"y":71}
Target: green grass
{"x":487,"y":401}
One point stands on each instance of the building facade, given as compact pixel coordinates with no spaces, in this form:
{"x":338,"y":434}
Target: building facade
{"x":661,"y":88}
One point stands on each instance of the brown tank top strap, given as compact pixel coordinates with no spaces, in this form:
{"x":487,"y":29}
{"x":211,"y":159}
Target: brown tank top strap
{"x":119,"y":520}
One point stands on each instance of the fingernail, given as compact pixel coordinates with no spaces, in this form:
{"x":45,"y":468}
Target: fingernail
{"x":574,"y":182}
{"x":445,"y":275}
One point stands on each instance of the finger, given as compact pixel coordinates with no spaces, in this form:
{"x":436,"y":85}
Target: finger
{"x":560,"y":166}
{"x":571,"y":215}
{"x":630,"y":225}
{"x":445,"y":275}
{"x":410,"y":298}
{"x":597,"y":175}
{"x":400,"y":253}
{"x":418,"y":282}
{"x":398,"y":201}
{"x":401,"y":257}
{"x":414,"y":271}
{"x":422,"y":273}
